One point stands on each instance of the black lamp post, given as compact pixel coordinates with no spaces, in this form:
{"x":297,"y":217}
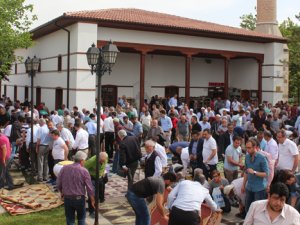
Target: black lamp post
{"x":101,"y":60}
{"x":32,"y":66}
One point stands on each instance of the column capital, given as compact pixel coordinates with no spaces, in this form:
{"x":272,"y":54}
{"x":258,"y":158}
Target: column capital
{"x":228,"y":56}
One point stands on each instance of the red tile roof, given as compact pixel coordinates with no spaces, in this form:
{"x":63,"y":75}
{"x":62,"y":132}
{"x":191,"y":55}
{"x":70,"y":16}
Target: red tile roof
{"x":162,"y":21}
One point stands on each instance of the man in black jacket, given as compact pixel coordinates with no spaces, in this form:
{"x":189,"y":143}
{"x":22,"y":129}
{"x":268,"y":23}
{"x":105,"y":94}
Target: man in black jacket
{"x":195,"y":150}
{"x":130,"y":154}
{"x":225,"y":140}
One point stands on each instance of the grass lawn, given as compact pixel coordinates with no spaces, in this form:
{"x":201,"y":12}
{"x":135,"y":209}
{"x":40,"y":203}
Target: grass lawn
{"x":51,"y":217}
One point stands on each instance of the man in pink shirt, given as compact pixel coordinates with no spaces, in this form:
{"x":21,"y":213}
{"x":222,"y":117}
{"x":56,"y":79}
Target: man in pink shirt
{"x":5,"y":152}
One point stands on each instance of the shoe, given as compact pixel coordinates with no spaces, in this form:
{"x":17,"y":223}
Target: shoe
{"x":54,"y":183}
{"x":49,"y":181}
{"x":92,"y":215}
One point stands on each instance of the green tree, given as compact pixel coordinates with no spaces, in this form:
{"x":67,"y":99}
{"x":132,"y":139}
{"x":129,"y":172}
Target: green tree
{"x":15,"y":21}
{"x":248,"y":21}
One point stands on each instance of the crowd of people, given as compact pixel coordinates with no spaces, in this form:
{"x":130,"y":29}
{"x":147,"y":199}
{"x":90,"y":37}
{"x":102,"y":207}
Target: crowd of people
{"x":226,"y":154}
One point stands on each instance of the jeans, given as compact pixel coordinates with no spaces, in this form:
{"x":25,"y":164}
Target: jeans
{"x":73,"y":205}
{"x":140,"y":208}
{"x":254,"y":196}
{"x":5,"y":177}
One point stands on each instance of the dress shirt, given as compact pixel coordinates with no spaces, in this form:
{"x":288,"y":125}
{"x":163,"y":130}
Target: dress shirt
{"x":272,"y":148}
{"x":173,"y":102}
{"x":166,"y":123}
{"x":137,"y":128}
{"x":91,"y":127}
{"x":157,"y":165}
{"x":258,"y":215}
{"x":43,"y":135}
{"x":108,"y":125}
{"x":28,"y":136}
{"x":67,"y":136}
{"x":287,"y":151}
{"x":74,"y":180}
{"x":82,"y":139}
{"x":259,"y":164}
{"x":235,"y":105}
{"x":160,"y":150}
{"x":189,"y":195}
{"x":204,"y":125}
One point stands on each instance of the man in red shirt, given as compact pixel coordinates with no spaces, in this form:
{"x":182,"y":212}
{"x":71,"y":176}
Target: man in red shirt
{"x":5,"y":152}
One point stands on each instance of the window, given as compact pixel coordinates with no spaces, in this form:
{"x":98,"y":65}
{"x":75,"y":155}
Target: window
{"x":58,"y":98}
{"x":170,"y":91}
{"x":59,"y":63}
{"x":38,"y":96}
{"x":26,"y":91}
{"x":15,"y":93}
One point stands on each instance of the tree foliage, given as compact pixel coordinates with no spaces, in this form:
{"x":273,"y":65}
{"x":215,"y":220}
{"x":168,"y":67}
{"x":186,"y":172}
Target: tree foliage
{"x":15,"y":21}
{"x":291,"y":31}
{"x":248,"y":21}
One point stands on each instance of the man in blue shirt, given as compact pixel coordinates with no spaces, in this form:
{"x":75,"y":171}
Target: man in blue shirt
{"x":166,"y":125}
{"x":257,"y":171}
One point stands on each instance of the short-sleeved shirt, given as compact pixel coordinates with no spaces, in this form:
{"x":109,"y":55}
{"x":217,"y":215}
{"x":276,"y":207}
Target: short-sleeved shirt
{"x":213,"y":184}
{"x":259,"y":164}
{"x":208,"y":146}
{"x":235,"y":153}
{"x":286,"y":151}
{"x":148,"y":186}
{"x":58,"y":150}
{"x":183,"y":128}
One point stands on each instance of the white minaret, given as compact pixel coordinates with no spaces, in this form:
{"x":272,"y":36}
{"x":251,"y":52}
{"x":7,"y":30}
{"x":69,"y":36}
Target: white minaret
{"x":277,"y":65}
{"x":267,"y":17}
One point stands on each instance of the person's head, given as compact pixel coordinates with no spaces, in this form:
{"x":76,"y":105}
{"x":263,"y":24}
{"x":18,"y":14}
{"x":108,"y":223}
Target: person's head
{"x":261,"y":111}
{"x":205,"y":119}
{"x":230,"y":128}
{"x":251,"y":147}
{"x":92,"y":116}
{"x":287,"y":177}
{"x":154,"y":123}
{"x":163,"y":113}
{"x":260,"y":135}
{"x":183,"y":118}
{"x":267,"y":135}
{"x":103,"y":157}
{"x":122,"y":134}
{"x":149,"y":146}
{"x":169,"y":178}
{"x":216,"y":176}
{"x":195,"y":135}
{"x":59,"y":126}
{"x":80,"y":157}
{"x":42,"y":122}
{"x":178,"y":150}
{"x":224,"y":122}
{"x":281,"y":136}
{"x":217,"y":118}
{"x":134,"y":119}
{"x":194,"y":119}
{"x":50,"y":125}
{"x":116,"y":121}
{"x":237,"y":140}
{"x":77,"y":125}
{"x":277,"y":197}
{"x":55,"y":134}
{"x":206,"y":133}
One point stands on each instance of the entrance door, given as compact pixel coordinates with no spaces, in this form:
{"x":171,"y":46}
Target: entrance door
{"x":170,"y":91}
{"x":245,"y":94}
{"x":109,"y":95}
{"x":58,"y":98}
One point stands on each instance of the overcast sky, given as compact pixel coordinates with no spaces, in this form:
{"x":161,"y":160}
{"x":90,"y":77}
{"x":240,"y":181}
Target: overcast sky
{"x":225,"y":12}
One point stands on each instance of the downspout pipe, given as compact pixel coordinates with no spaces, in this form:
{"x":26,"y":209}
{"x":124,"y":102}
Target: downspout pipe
{"x":68,"y":62}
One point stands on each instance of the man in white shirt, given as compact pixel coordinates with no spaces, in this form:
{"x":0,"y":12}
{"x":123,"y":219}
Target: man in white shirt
{"x":209,"y":153}
{"x":204,"y":123}
{"x":184,"y":202}
{"x":60,"y":150}
{"x":271,"y":146}
{"x":81,"y":140}
{"x":161,"y":151}
{"x":274,"y":210}
{"x":109,"y":134}
{"x":185,"y":158}
{"x":66,"y":135}
{"x":92,"y":130}
{"x":288,"y":153}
